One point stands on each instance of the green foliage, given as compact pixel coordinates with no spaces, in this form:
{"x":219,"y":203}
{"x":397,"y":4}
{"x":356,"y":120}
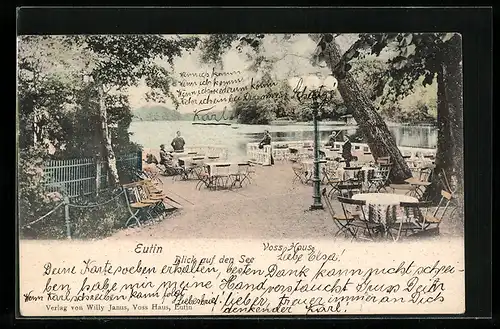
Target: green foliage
{"x":266,"y":104}
{"x":416,"y":113}
{"x":415,"y":55}
{"x":213,"y":46}
{"x":255,"y":111}
{"x":100,"y":221}
{"x":32,"y":201}
{"x":402,"y":86}
{"x":125,"y":60}
{"x":368,"y":72}
{"x":58,"y":108}
{"x":85,"y":223}
{"x":42,"y":103}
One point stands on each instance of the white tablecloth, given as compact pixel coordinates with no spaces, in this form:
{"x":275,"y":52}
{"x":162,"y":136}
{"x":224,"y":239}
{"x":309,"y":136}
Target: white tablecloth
{"x":348,"y":174}
{"x":192,"y":160}
{"x":331,"y":154}
{"x":384,"y":199}
{"x":231,"y":169}
{"x":380,"y":202}
{"x":177,"y":155}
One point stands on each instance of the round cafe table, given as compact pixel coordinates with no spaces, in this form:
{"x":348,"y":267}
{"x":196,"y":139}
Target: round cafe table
{"x":380,"y":203}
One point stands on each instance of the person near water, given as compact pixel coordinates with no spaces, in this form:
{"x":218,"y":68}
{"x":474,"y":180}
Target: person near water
{"x":178,"y":143}
{"x":167,"y":160}
{"x":332,"y":139}
{"x":267,"y":141}
{"x":165,"y":157}
{"x":346,"y":151}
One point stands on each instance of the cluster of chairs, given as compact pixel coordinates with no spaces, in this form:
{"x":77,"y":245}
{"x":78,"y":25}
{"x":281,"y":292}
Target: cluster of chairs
{"x":224,"y":177}
{"x":357,"y":180}
{"x":416,"y":218}
{"x":415,"y":186}
{"x":145,"y":200}
{"x":177,"y":171}
{"x":293,"y":155}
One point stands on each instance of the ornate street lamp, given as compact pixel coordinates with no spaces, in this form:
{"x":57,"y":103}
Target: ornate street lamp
{"x":319,"y":90}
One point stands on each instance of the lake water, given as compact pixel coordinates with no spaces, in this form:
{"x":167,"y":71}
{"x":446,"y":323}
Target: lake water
{"x":150,"y":134}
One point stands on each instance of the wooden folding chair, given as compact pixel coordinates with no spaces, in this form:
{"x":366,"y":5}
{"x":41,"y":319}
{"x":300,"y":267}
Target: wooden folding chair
{"x":420,"y":183}
{"x":450,"y":188}
{"x":300,"y":172}
{"x":343,"y":223}
{"x":241,"y":175}
{"x":412,"y":219}
{"x":354,"y":220}
{"x":330,"y":179}
{"x":154,"y":200}
{"x":352,"y":173}
{"x":204,"y":178}
{"x":221,"y":175}
{"x":134,"y":206}
{"x":380,"y":178}
{"x":293,"y":154}
{"x":350,"y":183}
{"x":153,"y":188}
{"x":330,"y":167}
{"x":433,"y":221}
{"x":155,"y":194}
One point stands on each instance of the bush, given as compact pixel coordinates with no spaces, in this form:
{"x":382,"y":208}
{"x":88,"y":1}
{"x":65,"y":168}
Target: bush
{"x":91,"y":222}
{"x":35,"y":202}
{"x":86,"y":220}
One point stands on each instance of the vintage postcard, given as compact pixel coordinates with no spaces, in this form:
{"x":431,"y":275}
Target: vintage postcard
{"x":240,"y":174}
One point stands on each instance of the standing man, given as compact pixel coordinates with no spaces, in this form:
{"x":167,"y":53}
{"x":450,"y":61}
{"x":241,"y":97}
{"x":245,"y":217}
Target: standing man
{"x":267,"y":141}
{"x":346,"y":151}
{"x":178,"y":143}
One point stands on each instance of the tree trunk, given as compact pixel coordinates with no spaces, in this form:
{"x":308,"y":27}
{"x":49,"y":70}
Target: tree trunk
{"x":452,"y":76}
{"x":372,"y":126}
{"x":449,"y":157}
{"x":444,"y":154}
{"x":107,"y":148}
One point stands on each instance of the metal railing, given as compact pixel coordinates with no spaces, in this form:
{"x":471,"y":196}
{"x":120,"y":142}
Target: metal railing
{"x":81,"y":177}
{"x":281,"y":150}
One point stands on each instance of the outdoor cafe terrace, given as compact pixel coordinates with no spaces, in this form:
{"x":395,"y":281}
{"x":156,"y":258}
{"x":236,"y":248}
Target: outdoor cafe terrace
{"x":218,"y":196}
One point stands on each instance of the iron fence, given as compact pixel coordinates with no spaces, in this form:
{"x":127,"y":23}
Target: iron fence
{"x":81,"y":177}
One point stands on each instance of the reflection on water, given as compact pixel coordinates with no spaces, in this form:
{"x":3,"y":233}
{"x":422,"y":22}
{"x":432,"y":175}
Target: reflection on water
{"x":150,"y":134}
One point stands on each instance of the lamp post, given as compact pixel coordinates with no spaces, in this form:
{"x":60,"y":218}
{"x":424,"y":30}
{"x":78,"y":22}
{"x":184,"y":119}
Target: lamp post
{"x":319,"y":91}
